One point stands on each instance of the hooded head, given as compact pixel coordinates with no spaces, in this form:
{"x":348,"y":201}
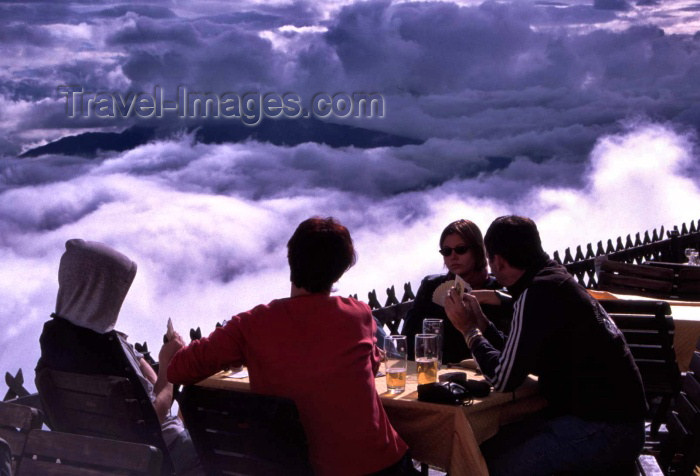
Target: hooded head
{"x":93,"y":280}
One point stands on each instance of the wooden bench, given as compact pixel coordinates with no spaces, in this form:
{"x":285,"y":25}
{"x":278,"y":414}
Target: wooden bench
{"x":51,"y":453}
{"x":16,"y":421}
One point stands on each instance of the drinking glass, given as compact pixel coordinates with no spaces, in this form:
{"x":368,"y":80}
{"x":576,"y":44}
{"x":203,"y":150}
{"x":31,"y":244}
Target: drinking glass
{"x":427,"y":358}
{"x":434,"y":326}
{"x":694,"y":258}
{"x":395,"y":348}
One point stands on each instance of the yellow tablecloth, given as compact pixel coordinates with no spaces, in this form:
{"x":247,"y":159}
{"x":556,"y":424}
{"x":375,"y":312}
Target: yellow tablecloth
{"x":444,"y":436}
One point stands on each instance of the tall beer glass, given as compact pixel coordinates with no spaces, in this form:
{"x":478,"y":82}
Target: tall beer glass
{"x":434,"y":326}
{"x":395,"y":348}
{"x":426,"y":358}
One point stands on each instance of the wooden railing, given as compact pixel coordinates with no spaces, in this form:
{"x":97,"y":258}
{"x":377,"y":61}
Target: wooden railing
{"x":656,"y":247}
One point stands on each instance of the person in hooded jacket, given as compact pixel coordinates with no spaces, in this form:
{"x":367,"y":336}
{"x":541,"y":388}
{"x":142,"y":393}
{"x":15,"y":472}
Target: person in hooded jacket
{"x":80,"y":338}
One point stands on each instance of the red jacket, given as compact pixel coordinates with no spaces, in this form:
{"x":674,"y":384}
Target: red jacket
{"x":319,"y":351}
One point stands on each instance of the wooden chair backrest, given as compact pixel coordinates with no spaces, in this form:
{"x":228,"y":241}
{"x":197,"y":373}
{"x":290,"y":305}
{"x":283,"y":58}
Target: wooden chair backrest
{"x":688,"y":284}
{"x":393,"y":316}
{"x":642,"y":280}
{"x":648,"y":329}
{"x":104,"y":406}
{"x":245,"y":433}
{"x":52,"y":453}
{"x":685,"y":281}
{"x":16,"y":421}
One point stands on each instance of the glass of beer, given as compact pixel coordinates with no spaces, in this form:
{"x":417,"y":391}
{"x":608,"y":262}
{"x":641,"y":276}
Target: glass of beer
{"x":395,"y":348}
{"x":426,"y":358}
{"x":434,"y":326}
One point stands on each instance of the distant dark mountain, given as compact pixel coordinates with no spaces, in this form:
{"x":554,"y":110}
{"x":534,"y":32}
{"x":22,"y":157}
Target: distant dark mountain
{"x":278,"y":132}
{"x":89,"y":143}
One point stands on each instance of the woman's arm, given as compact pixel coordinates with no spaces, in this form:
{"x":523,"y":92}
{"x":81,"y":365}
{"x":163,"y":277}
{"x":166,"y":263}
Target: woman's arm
{"x":204,"y":357}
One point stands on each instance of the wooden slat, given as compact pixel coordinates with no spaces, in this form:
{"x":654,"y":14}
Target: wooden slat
{"x":640,"y":321}
{"x":639,"y":270}
{"x":105,"y":385}
{"x":31,"y":467}
{"x":619,"y":283}
{"x":626,"y":306}
{"x":15,"y":423}
{"x":85,"y":450}
{"x":107,"y":425}
{"x":689,"y":274}
{"x":19,"y":417}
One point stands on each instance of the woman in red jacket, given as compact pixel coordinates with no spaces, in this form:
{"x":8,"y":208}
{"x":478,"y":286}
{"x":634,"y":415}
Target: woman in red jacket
{"x":316,"y":349}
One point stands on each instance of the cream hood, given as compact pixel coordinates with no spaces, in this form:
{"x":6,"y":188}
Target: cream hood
{"x":93,"y":280}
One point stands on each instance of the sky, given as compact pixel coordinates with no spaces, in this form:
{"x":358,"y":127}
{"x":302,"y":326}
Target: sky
{"x":583,"y":115}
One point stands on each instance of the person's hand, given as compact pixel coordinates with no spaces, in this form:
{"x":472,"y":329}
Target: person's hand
{"x":169,"y":348}
{"x":465,"y":314}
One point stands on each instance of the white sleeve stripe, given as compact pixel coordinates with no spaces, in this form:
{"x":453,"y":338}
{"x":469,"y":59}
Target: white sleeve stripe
{"x":504,"y":359}
{"x":507,"y":358}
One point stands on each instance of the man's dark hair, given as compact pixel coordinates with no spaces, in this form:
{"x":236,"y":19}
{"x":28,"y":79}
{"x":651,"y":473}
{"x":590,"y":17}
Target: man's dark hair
{"x":319,"y":252}
{"x":471,"y":235}
{"x":517,"y":240}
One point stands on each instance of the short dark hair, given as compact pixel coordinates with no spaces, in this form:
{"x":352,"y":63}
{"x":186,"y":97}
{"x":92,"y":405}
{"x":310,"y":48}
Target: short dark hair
{"x":517,"y":240}
{"x":319,"y":252}
{"x":471,"y":234}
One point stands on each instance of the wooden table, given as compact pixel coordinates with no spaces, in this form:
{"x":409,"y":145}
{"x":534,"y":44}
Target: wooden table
{"x":444,"y":436}
{"x":686,"y":319}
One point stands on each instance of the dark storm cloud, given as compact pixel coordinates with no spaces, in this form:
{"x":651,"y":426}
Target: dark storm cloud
{"x":142,"y":31}
{"x":150,"y":11}
{"x":230,"y":59}
{"x":25,"y":35}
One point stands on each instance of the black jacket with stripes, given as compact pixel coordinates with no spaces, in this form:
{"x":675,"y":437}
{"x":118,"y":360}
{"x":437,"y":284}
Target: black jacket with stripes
{"x":562,"y":334}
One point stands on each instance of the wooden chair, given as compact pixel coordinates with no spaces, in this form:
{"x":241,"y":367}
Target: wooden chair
{"x":393,"y":316}
{"x":688,"y":283}
{"x":50,"y":453}
{"x":245,"y":433}
{"x":685,"y":281}
{"x":681,"y":450}
{"x":636,"y":279}
{"x":16,"y":421}
{"x":648,"y":329}
{"x":103,"y":406}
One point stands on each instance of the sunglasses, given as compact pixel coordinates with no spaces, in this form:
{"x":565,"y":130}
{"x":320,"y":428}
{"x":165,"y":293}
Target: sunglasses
{"x":460,"y":250}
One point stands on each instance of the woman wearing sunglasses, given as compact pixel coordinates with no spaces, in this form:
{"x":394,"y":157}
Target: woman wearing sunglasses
{"x":463,"y":254}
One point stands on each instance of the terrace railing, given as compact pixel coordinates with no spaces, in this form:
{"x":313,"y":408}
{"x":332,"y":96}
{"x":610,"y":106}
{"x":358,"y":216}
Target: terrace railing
{"x":660,"y":246}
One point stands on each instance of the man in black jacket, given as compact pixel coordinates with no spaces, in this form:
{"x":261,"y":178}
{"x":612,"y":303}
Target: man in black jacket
{"x":595,"y":418}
